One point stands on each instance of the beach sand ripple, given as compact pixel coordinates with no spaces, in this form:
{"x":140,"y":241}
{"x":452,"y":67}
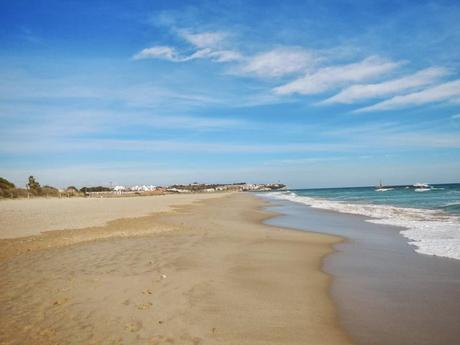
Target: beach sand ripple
{"x":215,"y":275}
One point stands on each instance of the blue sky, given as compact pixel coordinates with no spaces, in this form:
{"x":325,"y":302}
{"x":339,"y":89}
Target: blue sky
{"x":313,"y":94}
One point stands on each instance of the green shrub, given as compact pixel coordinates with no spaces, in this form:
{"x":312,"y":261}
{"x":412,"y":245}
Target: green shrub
{"x":95,"y":189}
{"x":13,"y":193}
{"x":19,"y":193}
{"x":6,"y":188}
{"x":5,"y":184}
{"x":71,"y":189}
{"x":49,"y":191}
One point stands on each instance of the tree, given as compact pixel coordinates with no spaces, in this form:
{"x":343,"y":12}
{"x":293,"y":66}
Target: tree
{"x":33,"y":186}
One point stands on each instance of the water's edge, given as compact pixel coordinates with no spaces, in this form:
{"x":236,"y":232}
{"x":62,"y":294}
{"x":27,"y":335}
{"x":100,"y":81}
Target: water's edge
{"x":385,"y":292}
{"x":431,"y":231}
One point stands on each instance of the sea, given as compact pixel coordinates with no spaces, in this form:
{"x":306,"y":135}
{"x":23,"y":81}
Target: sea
{"x":428,"y":217}
{"x":386,"y":289}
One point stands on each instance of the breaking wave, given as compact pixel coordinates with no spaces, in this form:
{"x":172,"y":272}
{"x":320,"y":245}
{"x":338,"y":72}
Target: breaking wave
{"x":432,"y":232}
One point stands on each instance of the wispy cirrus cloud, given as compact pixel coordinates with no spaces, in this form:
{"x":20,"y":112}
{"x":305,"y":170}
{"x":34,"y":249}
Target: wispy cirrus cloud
{"x":153,"y":145}
{"x":400,"y":141}
{"x":160,"y":52}
{"x":34,"y":88}
{"x":217,"y":55}
{"x":312,"y":71}
{"x":203,"y":39}
{"x":171,"y":54}
{"x":58,"y":123}
{"x":209,"y":45}
{"x":361,"y":92}
{"x":278,"y":62}
{"x":438,"y":93}
{"x":331,"y":77}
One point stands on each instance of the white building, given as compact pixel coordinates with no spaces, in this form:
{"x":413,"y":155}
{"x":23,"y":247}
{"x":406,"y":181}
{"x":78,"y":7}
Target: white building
{"x":119,"y":189}
{"x":143,"y":188}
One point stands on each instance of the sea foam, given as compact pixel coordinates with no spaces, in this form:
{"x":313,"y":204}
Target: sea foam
{"x":430,"y":232}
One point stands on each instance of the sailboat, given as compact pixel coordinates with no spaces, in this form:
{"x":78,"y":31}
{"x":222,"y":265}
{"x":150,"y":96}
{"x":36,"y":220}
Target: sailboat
{"x":382,"y":188}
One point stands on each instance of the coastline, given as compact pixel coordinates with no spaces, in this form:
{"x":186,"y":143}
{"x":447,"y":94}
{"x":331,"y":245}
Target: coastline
{"x":385,"y":292}
{"x":210,"y":273}
{"x":430,"y":222}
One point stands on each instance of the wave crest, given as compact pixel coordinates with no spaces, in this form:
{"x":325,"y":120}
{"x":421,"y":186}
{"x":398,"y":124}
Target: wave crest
{"x":431,"y":232}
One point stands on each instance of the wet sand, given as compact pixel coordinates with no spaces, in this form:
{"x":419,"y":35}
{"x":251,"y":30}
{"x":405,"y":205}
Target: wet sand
{"x":386,"y":293}
{"x":211,"y":273}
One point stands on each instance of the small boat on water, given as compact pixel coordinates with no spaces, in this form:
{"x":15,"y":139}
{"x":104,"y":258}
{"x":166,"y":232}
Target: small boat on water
{"x":382,"y":188}
{"x":421,"y":187}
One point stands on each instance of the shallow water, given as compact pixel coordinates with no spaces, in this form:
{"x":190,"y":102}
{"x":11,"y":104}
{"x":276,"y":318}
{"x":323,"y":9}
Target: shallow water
{"x":386,"y":293}
{"x":430,"y":219}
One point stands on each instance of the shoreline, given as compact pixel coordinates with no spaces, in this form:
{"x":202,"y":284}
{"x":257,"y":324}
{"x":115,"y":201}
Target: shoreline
{"x":431,"y":230}
{"x":215,"y":274}
{"x":385,"y":292}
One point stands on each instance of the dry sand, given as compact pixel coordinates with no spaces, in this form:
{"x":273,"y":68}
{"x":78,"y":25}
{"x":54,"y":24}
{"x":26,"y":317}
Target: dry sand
{"x":27,"y":217}
{"x":216,"y":276}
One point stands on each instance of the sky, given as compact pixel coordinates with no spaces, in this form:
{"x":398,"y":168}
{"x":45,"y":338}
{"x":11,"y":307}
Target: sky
{"x":308,"y":93}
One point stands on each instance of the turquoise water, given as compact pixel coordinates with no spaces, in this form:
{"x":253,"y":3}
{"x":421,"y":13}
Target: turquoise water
{"x":442,"y":197}
{"x":429,"y":217}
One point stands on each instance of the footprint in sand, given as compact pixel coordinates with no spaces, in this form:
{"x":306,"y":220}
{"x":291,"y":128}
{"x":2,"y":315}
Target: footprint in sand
{"x":147,"y":292}
{"x":133,"y":326}
{"x":161,"y":339}
{"x":144,"y":306}
{"x":61,"y":301}
{"x":127,"y":302}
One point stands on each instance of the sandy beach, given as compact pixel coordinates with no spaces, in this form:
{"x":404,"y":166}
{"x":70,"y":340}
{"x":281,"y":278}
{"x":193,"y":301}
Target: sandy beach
{"x":27,"y":217}
{"x":81,"y":219}
{"x":206,"y":272}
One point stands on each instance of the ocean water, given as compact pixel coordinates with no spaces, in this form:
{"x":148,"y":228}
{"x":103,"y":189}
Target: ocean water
{"x":429,"y":218}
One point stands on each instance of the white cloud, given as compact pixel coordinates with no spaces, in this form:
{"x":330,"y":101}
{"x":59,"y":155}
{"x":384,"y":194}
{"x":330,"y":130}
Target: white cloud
{"x":335,"y":76}
{"x":169,"y":53}
{"x":204,"y":39}
{"x":225,"y":55}
{"x":59,"y":144}
{"x":278,"y":62}
{"x":189,"y":122}
{"x":159,"y":52}
{"x":215,"y":55}
{"x":436,"y":93}
{"x":208,"y":44}
{"x":366,"y":91}
{"x":422,"y":139}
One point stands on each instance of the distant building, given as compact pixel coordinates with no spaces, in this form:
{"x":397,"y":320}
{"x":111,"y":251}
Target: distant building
{"x":143,"y":188}
{"x":119,"y":189}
